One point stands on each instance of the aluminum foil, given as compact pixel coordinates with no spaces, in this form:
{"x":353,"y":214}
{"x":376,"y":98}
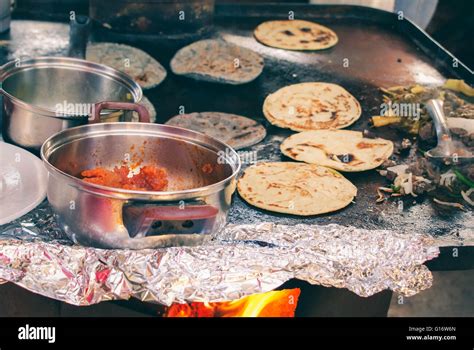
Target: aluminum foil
{"x":241,"y":260}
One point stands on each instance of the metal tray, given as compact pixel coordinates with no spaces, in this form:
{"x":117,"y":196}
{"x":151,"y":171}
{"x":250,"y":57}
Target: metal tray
{"x":382,"y":51}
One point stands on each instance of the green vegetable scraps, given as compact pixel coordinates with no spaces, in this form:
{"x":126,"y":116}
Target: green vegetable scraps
{"x":463,"y":179}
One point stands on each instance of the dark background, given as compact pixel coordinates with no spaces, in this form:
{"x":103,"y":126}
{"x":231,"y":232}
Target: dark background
{"x":452,"y":24}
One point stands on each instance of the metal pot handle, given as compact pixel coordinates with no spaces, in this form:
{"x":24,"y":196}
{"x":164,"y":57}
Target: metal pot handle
{"x":143,"y":115}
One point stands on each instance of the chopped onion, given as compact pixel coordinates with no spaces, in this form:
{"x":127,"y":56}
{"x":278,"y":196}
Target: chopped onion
{"x":449,"y":204}
{"x":421,"y":179}
{"x":405,"y":182}
{"x":381,"y":197}
{"x":446,"y":179}
{"x":386,"y":189}
{"x":410,"y":185}
{"x":398,"y":169}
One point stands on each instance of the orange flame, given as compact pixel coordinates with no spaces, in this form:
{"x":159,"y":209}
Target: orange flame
{"x":271,"y":304}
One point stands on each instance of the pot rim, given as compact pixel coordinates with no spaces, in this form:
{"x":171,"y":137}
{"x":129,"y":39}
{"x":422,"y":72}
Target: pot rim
{"x":9,"y":69}
{"x":232,"y":158}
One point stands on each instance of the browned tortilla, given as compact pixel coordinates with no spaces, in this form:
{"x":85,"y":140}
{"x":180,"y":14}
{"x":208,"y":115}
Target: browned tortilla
{"x":344,"y":150}
{"x":217,"y":61}
{"x":311,"y":106}
{"x":295,"y":188}
{"x":295,"y":35}
{"x":234,"y":130}
{"x":143,"y":68}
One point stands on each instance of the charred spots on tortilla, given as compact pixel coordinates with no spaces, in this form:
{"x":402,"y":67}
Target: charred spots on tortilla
{"x":142,"y":77}
{"x":322,"y":38}
{"x":365,"y":145}
{"x":291,"y":152}
{"x":288,"y":32}
{"x":305,"y":30}
{"x":304,"y":41}
{"x":240,"y":136}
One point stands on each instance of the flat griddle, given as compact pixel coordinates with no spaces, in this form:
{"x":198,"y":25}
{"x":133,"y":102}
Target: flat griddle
{"x":381,"y":50}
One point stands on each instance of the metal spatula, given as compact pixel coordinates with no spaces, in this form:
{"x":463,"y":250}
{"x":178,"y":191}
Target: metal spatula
{"x":448,"y":150}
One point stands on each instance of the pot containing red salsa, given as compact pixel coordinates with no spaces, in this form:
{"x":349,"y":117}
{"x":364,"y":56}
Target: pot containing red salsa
{"x":139,"y":185}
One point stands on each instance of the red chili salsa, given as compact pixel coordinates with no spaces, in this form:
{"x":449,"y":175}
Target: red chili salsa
{"x":150,"y":178}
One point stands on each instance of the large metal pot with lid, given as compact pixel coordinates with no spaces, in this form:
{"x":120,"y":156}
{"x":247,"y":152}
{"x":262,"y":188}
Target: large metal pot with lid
{"x":42,"y":96}
{"x":201,"y":175}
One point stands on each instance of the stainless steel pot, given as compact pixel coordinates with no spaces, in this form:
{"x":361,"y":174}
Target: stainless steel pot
{"x":42,"y":96}
{"x":201,"y":172}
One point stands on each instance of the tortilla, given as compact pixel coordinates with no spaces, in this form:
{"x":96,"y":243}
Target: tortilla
{"x":234,"y":130}
{"x":143,"y":68}
{"x":311,"y":106}
{"x":295,"y":188}
{"x":343,"y":150}
{"x":217,"y":61}
{"x":295,"y":35}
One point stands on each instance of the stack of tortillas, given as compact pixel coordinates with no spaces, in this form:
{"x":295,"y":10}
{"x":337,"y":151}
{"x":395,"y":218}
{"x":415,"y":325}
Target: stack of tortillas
{"x":343,"y":150}
{"x":234,"y":130}
{"x":311,"y":106}
{"x":295,"y":188}
{"x":217,"y":61}
{"x":295,"y":35}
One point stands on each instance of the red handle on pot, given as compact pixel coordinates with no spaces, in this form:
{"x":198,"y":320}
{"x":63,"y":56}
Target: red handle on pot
{"x":188,"y":212}
{"x":143,"y":115}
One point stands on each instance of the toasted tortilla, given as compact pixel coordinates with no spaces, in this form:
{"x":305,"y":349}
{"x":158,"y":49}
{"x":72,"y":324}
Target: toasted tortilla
{"x":234,"y":130}
{"x":217,"y":61}
{"x":295,"y":188}
{"x":311,"y":106}
{"x":343,"y":150}
{"x":295,"y":35}
{"x":143,"y":68}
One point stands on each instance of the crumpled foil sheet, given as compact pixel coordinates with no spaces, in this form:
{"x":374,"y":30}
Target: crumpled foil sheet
{"x":241,"y":260}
